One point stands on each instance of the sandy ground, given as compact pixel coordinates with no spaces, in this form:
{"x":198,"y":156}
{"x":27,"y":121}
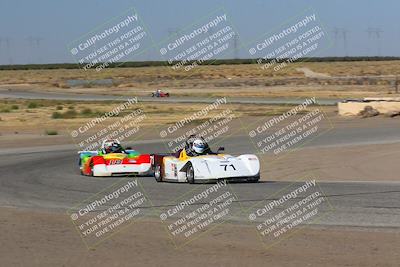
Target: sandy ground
{"x":312,"y":74}
{"x":49,"y":239}
{"x":26,"y":134}
{"x":351,"y":163}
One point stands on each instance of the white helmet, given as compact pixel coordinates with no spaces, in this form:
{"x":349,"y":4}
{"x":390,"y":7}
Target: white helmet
{"x":111,"y":146}
{"x":199,"y":146}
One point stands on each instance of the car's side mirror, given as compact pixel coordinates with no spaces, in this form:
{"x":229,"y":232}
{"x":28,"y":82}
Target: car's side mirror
{"x":221,"y":148}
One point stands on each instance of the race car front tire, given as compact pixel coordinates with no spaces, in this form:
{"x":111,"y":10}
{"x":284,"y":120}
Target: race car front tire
{"x":254,"y":179}
{"x":190,"y":173}
{"x":158,"y":173}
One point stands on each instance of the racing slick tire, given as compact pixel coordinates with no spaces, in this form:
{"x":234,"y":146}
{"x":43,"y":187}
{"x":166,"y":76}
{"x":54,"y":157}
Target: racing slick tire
{"x":190,"y":173}
{"x":91,"y":170}
{"x":158,"y":173}
{"x":254,"y":179}
{"x":90,"y":174}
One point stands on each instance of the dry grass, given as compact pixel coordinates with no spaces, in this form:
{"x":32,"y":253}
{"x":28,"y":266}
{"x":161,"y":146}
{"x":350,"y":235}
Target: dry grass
{"x":215,"y":81}
{"x":149,"y":74}
{"x":34,"y":120}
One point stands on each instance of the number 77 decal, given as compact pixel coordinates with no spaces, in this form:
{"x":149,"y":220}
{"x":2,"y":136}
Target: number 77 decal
{"x":226,"y":166}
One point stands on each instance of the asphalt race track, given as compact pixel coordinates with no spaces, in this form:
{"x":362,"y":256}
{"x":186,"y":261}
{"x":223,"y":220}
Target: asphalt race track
{"x":87,"y":97}
{"x":50,"y":180}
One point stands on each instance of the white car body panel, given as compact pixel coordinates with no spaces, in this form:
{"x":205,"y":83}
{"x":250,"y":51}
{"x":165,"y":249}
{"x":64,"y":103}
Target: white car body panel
{"x":109,"y":170}
{"x":212,"y":167}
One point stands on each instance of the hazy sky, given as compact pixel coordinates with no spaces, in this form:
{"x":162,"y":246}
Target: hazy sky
{"x":39,"y":31}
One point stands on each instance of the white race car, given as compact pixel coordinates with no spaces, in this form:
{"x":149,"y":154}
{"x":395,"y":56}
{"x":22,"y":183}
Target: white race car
{"x":184,"y":167}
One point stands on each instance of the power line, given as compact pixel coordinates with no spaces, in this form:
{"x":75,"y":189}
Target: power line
{"x":34,"y":46}
{"x":7,"y":49}
{"x":236,"y":46}
{"x":341,"y":33}
{"x":375,"y":33}
{"x":173,"y":32}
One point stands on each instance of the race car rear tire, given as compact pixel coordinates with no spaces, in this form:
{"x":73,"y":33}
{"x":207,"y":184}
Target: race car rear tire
{"x":190,"y":173}
{"x":158,"y":173}
{"x":91,"y":169}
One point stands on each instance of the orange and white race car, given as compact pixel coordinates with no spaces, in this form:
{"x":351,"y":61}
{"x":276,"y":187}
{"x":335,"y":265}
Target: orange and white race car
{"x":196,"y":163}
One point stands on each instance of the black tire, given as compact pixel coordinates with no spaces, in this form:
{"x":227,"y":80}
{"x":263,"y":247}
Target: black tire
{"x":190,"y":173}
{"x":167,"y":94}
{"x":253,"y":179}
{"x":80,"y":167}
{"x":158,"y":173}
{"x":152,"y":95}
{"x":89,"y":174}
{"x":91,"y":169}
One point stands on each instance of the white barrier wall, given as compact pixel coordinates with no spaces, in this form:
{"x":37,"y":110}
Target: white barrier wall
{"x":382,"y":105}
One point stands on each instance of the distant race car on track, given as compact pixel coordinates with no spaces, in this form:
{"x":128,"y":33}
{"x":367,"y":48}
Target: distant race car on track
{"x":159,"y":93}
{"x":196,"y":163}
{"x":113,"y":160}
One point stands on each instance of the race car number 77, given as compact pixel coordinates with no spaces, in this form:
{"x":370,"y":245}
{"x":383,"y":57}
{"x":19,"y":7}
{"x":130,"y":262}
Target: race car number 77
{"x":226,"y":166}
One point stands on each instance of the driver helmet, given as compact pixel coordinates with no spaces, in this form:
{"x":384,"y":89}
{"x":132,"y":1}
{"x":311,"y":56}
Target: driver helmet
{"x":199,"y":146}
{"x":112,"y":146}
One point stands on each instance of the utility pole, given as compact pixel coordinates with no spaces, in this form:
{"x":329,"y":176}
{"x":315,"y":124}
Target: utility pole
{"x":34,"y":48}
{"x":8,"y":45}
{"x":375,"y":33}
{"x":341,"y":32}
{"x":30,"y":41}
{"x":344,"y":34}
{"x":236,"y":45}
{"x":378,"y":32}
{"x":369,"y":31}
{"x":1,"y":41}
{"x":336,"y":35}
{"x":7,"y":50}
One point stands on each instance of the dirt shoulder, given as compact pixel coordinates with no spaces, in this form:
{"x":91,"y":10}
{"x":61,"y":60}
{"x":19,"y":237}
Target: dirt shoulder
{"x":49,"y":239}
{"x":377,"y":162}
